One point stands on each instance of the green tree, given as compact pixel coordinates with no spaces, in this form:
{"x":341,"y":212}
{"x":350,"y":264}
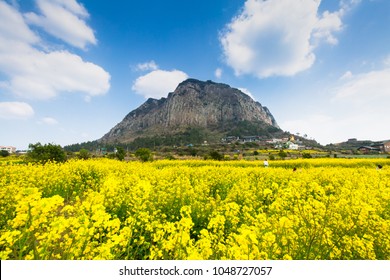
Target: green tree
{"x":84,"y":154}
{"x":120,"y":153}
{"x":282,"y":154}
{"x":306,"y":155}
{"x":4,"y":153}
{"x":215,"y":155}
{"x":48,"y":152}
{"x":144,"y":154}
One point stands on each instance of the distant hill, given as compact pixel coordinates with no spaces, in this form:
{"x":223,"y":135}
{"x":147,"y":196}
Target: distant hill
{"x":354,"y":144}
{"x":196,"y":111}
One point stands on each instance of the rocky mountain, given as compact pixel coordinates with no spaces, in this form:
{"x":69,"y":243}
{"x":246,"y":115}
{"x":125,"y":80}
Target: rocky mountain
{"x":214,"y":108}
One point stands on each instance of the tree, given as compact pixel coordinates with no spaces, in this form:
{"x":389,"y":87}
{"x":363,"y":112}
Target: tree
{"x":120,"y":153}
{"x":84,"y":154}
{"x":4,"y":153}
{"x":306,"y":155}
{"x":44,"y":153}
{"x":144,"y":154}
{"x":282,"y":154}
{"x":215,"y":155}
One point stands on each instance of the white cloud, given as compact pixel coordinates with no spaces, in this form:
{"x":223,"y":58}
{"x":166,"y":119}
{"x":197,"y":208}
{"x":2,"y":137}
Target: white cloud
{"x":158,"y":83}
{"x":70,"y":5}
{"x":358,"y":109}
{"x":321,"y":127}
{"x":278,"y":37}
{"x":339,"y":127}
{"x":49,"y":121}
{"x":218,"y":73}
{"x":347,"y":75}
{"x":36,"y":74}
{"x":13,"y":27}
{"x":147,"y":66}
{"x":326,"y":26}
{"x":42,"y":75}
{"x":15,"y":110}
{"x":247,"y":92}
{"x":386,"y":61}
{"x":346,"y":5}
{"x":64,"y":19}
{"x":372,"y":88}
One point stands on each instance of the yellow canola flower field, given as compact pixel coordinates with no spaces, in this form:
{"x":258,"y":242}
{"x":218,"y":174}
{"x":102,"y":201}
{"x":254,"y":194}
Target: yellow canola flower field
{"x":208,"y":210}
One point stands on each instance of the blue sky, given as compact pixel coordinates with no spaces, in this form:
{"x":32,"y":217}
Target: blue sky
{"x":71,"y":70}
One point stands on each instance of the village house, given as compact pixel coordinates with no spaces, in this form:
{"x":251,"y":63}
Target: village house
{"x":383,"y":146}
{"x":230,"y":139}
{"x":274,"y":141}
{"x":386,"y":146}
{"x":368,"y":149}
{"x":246,"y":139}
{"x":9,"y":149}
{"x":293,"y":146}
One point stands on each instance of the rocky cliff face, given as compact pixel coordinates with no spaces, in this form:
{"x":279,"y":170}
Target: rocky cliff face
{"x":194,"y":103}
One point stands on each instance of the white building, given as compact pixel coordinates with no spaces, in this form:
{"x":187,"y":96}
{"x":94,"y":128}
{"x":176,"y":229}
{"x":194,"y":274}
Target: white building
{"x":274,"y":141}
{"x":293,"y":146}
{"x":9,"y":149}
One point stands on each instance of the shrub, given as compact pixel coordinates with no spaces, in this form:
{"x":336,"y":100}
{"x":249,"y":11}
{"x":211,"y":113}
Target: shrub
{"x":282,"y":154}
{"x":215,"y":155}
{"x":306,"y":155}
{"x":120,"y":153}
{"x":84,"y":154}
{"x":144,"y":154}
{"x":170,"y":157}
{"x":44,"y":153}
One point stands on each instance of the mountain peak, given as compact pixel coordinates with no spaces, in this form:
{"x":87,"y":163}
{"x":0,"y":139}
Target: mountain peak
{"x":211,"y":106}
{"x":195,"y":81}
